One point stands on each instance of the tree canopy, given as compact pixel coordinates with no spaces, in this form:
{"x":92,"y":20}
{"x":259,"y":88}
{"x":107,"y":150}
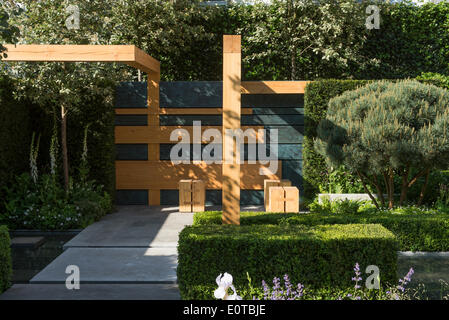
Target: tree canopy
{"x":385,"y":129}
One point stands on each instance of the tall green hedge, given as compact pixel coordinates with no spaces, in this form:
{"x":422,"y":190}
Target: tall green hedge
{"x":15,"y":134}
{"x":318,"y":257}
{"x":5,"y":259}
{"x":316,"y":99}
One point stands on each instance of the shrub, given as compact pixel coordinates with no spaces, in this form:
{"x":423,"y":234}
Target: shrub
{"x":415,"y":228}
{"x":318,"y":256}
{"x":5,"y":259}
{"x":45,"y":205}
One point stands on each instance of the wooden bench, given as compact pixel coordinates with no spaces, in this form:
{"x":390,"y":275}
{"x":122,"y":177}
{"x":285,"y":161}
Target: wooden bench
{"x":192,"y":195}
{"x":283,"y":199}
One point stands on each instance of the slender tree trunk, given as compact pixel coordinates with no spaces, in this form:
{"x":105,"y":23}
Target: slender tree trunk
{"x":65,"y":158}
{"x":423,"y":188}
{"x":367,"y":191}
{"x":404,"y":187}
{"x":391,"y":189}
{"x":380,"y":194}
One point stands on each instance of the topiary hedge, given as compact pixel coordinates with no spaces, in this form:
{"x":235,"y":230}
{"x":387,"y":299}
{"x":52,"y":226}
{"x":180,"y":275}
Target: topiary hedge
{"x":415,"y":232}
{"x":5,"y":259}
{"x":318,"y":257}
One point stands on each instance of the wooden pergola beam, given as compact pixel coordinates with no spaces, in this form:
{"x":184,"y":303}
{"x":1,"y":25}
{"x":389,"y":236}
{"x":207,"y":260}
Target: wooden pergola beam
{"x":274,"y":87}
{"x":129,"y":54}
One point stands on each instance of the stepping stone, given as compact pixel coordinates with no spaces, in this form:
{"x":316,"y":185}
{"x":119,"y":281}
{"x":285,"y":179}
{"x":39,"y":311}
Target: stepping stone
{"x":113,"y":265}
{"x":27,"y":242}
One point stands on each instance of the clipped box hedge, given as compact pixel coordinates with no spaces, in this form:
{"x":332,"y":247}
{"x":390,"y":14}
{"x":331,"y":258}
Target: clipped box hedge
{"x":415,"y":232}
{"x":5,"y":259}
{"x":319,"y":257}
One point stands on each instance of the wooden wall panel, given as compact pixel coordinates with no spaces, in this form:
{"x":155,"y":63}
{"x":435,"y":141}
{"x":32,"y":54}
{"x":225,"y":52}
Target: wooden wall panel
{"x":165,"y":175}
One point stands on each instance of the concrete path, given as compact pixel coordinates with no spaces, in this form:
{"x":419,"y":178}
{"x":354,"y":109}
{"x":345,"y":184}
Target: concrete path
{"x":130,"y":254}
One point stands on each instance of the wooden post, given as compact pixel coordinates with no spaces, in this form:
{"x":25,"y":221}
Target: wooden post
{"x":231,"y":121}
{"x":153,"y":121}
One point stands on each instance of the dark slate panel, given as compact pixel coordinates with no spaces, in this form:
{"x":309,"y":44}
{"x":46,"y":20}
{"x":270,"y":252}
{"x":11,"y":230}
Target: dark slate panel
{"x":251,"y":197}
{"x":131,"y":120}
{"x":292,"y":170}
{"x":131,"y":95}
{"x":272,"y":100}
{"x":187,"y":120}
{"x":191,"y":94}
{"x":131,"y":151}
{"x":169,"y":197}
{"x":278,"y":110}
{"x":246,"y":120}
{"x":287,"y":134}
{"x":132,"y":197}
{"x":214,"y":197}
{"x":275,"y":119}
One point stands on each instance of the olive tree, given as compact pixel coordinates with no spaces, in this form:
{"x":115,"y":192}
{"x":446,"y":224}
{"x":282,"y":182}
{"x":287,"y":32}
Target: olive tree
{"x":8,"y":32}
{"x":61,"y":85}
{"x":387,"y":129}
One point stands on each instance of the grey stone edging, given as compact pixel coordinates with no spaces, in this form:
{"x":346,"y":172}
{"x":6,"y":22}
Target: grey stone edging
{"x":439,"y":254}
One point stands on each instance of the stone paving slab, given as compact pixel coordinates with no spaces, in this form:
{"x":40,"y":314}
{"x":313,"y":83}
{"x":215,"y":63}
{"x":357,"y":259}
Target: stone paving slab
{"x":92,"y":292}
{"x":113,"y":265}
{"x":135,"y":226}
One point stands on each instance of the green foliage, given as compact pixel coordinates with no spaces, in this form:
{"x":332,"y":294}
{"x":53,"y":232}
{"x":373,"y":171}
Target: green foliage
{"x":437,"y":79}
{"x":15,"y":133}
{"x":5,"y":259}
{"x":385,"y":129}
{"x":8,"y":32}
{"x":45,"y":205}
{"x":341,"y":181}
{"x":316,"y":99}
{"x":318,"y":257}
{"x":417,"y":229}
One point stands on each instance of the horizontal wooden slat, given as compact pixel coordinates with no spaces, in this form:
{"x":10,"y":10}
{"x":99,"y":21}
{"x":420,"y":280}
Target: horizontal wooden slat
{"x":279,"y":87}
{"x":199,"y":111}
{"x":166,"y":175}
{"x":151,"y":134}
{"x":131,"y":111}
{"x":128,"y":54}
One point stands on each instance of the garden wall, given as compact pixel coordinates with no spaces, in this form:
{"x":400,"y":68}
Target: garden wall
{"x":201,"y":101}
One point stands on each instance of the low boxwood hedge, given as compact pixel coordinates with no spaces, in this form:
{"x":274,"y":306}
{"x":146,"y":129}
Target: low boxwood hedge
{"x":5,"y":259}
{"x":415,"y":232}
{"x":318,"y":257}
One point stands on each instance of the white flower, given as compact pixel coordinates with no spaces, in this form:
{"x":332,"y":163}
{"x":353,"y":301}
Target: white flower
{"x":224,"y":283}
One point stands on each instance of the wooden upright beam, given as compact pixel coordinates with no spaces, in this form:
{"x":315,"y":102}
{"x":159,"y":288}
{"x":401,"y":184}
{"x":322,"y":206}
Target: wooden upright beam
{"x":128,"y":54}
{"x":154,"y":198}
{"x":231,"y":121}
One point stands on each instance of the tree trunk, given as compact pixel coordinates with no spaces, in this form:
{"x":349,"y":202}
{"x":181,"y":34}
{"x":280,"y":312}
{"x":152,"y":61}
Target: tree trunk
{"x":404,"y":187}
{"x":367,"y":191}
{"x":380,"y":194}
{"x":65,"y":158}
{"x":390,"y":189}
{"x":424,"y":187}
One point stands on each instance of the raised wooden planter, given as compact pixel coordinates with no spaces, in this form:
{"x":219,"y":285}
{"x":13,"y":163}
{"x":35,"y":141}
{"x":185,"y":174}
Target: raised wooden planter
{"x":283,"y":199}
{"x":267,"y":184}
{"x":192,"y":195}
